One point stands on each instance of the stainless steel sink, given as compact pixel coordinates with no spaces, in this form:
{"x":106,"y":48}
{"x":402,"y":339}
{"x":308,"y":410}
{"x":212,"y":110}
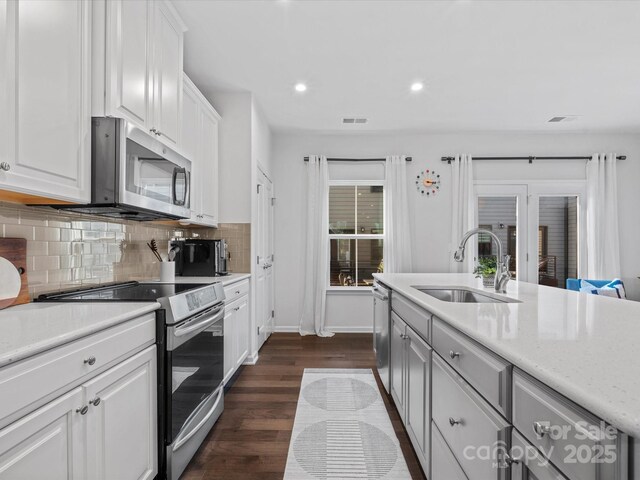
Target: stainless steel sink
{"x":463,"y":295}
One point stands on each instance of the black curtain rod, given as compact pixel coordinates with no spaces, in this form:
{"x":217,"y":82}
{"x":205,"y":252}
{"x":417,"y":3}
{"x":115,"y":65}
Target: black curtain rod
{"x":529,"y":158}
{"x":408,"y":159}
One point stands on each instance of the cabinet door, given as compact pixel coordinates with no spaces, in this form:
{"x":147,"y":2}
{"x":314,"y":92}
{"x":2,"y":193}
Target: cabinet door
{"x":230,"y":332}
{"x":48,"y":443}
{"x":418,"y":401}
{"x":398,"y":363}
{"x":242,"y":331}
{"x":122,"y":420}
{"x":128,"y":76}
{"x":208,"y":176}
{"x":45,"y":98}
{"x":189,"y":142}
{"x":168,"y":42}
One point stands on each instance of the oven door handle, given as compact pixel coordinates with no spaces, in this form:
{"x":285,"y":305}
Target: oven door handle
{"x":208,"y":320}
{"x":184,"y":437}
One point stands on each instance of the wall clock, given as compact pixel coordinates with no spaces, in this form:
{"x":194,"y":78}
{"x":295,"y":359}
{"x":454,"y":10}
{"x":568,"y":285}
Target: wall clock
{"x":428,"y":183}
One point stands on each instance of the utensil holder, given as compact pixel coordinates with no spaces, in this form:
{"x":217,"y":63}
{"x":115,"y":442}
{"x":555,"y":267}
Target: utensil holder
{"x":168,"y":272}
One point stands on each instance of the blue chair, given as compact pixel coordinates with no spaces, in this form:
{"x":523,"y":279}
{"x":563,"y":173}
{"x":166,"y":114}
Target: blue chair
{"x":574,"y":283}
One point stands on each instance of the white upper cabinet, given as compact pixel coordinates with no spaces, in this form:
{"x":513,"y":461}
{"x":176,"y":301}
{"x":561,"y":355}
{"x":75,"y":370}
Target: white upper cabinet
{"x":199,"y":143}
{"x":45,"y":98}
{"x":168,"y":42}
{"x":137,"y":64}
{"x":209,"y":161}
{"x":128,"y":77}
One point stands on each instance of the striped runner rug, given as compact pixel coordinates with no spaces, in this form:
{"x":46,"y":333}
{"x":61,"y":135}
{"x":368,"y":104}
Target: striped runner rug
{"x":342,"y":429}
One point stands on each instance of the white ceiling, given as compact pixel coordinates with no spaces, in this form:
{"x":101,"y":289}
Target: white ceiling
{"x":487,"y":65}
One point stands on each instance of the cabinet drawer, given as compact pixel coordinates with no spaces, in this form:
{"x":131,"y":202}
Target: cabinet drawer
{"x":529,"y":463}
{"x":236,"y":290}
{"x":31,"y":380}
{"x":444,"y":465}
{"x":414,"y":316}
{"x":578,"y":443}
{"x":483,"y":369}
{"x":470,"y":426}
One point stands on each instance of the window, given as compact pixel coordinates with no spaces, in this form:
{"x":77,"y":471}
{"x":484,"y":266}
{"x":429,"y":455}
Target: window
{"x":356,"y":233}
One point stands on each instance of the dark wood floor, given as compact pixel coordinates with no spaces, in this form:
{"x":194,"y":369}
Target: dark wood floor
{"x":250,"y":441}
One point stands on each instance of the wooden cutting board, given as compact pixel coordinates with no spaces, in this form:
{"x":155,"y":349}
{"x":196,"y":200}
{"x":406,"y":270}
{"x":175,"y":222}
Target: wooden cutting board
{"x":15,"y":250}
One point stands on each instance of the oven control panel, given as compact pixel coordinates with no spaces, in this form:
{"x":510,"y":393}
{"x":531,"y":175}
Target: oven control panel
{"x":184,"y":305}
{"x":201,"y":298}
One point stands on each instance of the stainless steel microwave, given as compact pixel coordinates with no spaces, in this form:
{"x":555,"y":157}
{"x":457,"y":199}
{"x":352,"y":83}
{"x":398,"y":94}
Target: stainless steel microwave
{"x":133,"y":175}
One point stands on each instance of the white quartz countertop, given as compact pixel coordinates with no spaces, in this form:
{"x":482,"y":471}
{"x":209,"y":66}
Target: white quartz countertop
{"x":226,"y":280}
{"x":584,"y":346}
{"x":26,"y":330}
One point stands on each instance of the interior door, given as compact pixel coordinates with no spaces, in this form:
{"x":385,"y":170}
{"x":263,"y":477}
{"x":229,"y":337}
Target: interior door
{"x":264,"y":250}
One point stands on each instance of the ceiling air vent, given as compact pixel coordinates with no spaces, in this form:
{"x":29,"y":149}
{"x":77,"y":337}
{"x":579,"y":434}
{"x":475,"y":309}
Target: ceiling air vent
{"x":565,"y":118}
{"x":354,"y":120}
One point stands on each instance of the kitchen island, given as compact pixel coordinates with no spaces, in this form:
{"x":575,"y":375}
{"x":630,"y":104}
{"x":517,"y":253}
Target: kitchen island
{"x":540,"y":350}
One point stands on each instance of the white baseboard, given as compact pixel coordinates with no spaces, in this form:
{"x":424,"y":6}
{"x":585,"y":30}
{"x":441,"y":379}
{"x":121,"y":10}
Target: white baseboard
{"x":347,"y":329}
{"x":285,"y":329}
{"x":251,"y":359}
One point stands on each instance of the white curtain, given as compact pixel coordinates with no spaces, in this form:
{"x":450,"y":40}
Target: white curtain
{"x":463,"y":215}
{"x":397,"y":238}
{"x":316,"y":274}
{"x":603,"y":243}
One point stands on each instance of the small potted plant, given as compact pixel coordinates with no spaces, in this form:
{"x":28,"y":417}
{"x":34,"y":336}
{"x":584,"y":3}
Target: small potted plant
{"x":486,"y":268}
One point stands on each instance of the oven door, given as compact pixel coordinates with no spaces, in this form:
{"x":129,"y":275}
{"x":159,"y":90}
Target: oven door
{"x":195,"y":372}
{"x":153,"y":176}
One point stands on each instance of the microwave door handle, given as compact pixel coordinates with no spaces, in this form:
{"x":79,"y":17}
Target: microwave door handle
{"x":179,"y":171}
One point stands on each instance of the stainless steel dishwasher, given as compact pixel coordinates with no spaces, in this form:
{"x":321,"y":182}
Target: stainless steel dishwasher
{"x":381,"y":309}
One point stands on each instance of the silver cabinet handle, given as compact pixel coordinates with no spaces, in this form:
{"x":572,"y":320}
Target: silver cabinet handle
{"x":5,"y":166}
{"x":453,"y":422}
{"x":153,"y":130}
{"x":158,"y":132}
{"x":404,"y":336}
{"x":509,"y":460}
{"x":236,"y":309}
{"x":453,"y":354}
{"x":95,"y":402}
{"x":541,"y":429}
{"x":237,"y":292}
{"x":91,"y":360}
{"x":82,"y":410}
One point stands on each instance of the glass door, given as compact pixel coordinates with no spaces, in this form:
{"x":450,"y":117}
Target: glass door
{"x":557,"y":251}
{"x":502,"y":210}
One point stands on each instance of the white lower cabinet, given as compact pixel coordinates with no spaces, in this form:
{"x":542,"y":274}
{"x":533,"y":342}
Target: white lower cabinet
{"x":236,"y":335}
{"x":121,"y":428}
{"x":411,"y":385}
{"x":418,"y":404}
{"x":398,"y":367}
{"x":104,"y":428}
{"x":444,"y":465}
{"x":48,"y":443}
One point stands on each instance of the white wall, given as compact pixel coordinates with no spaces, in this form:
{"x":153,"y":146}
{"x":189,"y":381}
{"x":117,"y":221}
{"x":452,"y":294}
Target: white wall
{"x":431,"y":216}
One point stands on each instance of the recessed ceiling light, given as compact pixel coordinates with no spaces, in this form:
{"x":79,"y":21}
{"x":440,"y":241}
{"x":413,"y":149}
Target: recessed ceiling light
{"x":300,"y":87}
{"x":417,"y":86}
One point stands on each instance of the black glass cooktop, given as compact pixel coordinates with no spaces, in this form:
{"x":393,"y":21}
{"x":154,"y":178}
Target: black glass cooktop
{"x":122,"y":292}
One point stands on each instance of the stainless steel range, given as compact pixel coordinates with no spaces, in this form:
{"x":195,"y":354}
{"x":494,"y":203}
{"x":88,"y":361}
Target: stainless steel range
{"x":190,"y":341}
